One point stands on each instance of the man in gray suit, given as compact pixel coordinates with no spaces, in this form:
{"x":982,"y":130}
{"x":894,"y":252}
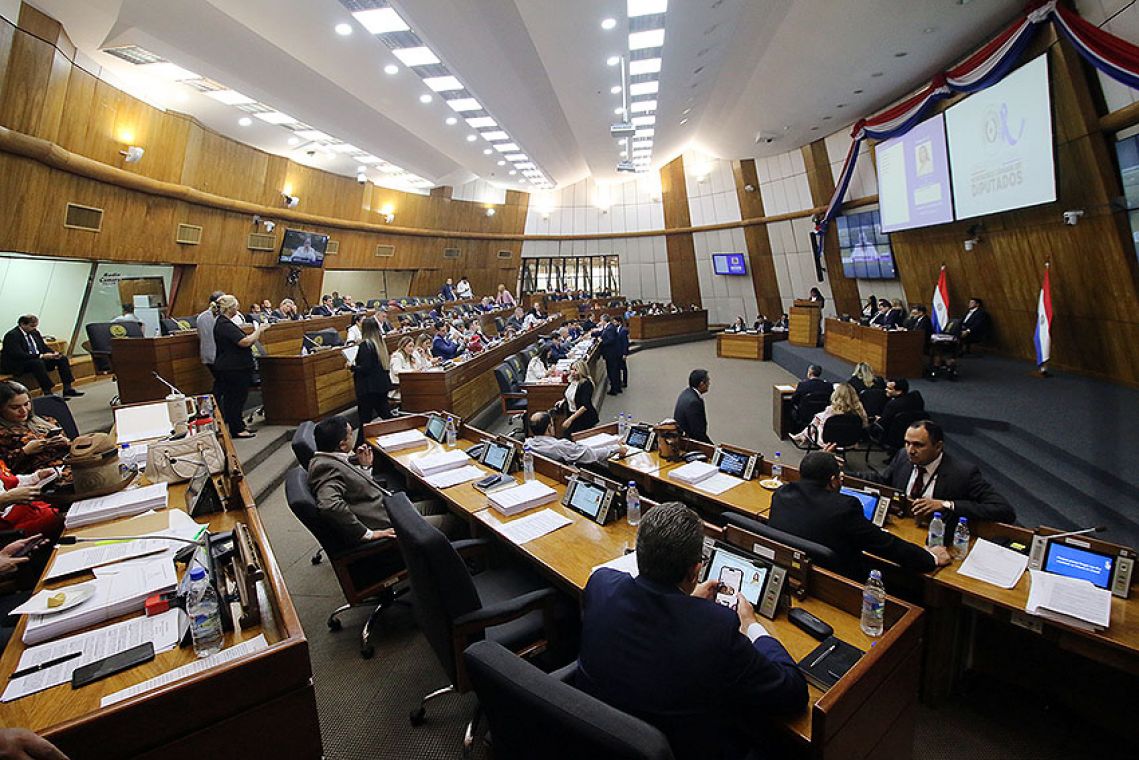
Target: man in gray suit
{"x":346,"y":494}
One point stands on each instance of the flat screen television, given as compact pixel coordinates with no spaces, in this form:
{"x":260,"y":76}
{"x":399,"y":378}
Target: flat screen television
{"x":865,"y":248}
{"x":303,"y":249}
{"x":913,"y":178}
{"x":729,"y":263}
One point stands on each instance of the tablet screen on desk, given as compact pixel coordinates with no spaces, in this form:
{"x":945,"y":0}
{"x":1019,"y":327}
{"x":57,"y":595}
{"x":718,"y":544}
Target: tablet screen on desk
{"x":587,"y":498}
{"x":496,"y":455}
{"x":638,"y":437}
{"x":736,"y":573}
{"x":869,"y":501}
{"x":733,"y":462}
{"x":436,"y":427}
{"x":1073,"y":562}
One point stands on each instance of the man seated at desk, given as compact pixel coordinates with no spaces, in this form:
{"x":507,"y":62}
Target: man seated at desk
{"x":24,"y":350}
{"x":658,"y":647}
{"x":563,"y":450}
{"x":442,"y":346}
{"x":936,"y":482}
{"x":326,"y":308}
{"x":689,"y":410}
{"x":516,"y":319}
{"x":886,"y":317}
{"x":900,"y":399}
{"x":813,"y":508}
{"x":559,"y":346}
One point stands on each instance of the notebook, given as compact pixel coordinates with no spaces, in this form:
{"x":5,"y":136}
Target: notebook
{"x":829,"y":662}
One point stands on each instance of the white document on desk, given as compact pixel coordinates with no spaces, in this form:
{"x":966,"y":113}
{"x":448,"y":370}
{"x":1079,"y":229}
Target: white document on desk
{"x":143,"y":422}
{"x":993,"y":564}
{"x":66,"y":563}
{"x":449,"y":478}
{"x":626,"y":563}
{"x":1072,"y":601}
{"x":163,"y":631}
{"x":718,"y":483}
{"x":243,"y":649}
{"x":525,"y":528}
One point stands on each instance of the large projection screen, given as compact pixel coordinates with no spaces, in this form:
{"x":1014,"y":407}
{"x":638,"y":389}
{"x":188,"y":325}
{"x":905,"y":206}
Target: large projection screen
{"x":1000,"y":144}
{"x":913,"y":178}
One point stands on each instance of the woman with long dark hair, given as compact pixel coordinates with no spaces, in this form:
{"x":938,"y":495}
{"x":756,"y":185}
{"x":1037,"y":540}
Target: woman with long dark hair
{"x":371,"y":373}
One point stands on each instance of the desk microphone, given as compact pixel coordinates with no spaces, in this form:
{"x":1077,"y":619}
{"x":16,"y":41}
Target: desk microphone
{"x":1040,"y":544}
{"x":1052,"y":536}
{"x":171,"y":386}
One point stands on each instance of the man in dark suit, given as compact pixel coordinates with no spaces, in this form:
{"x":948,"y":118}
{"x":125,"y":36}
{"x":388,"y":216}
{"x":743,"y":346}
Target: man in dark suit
{"x":658,"y":647}
{"x":814,"y":383}
{"x":326,"y":308}
{"x":24,"y":350}
{"x":976,"y":323}
{"x":936,"y":482}
{"x":623,"y":341}
{"x":812,"y":508}
{"x":689,"y":410}
{"x":899,"y":399}
{"x":611,"y":353}
{"x":447,"y":292}
{"x":881,"y":318}
{"x":442,"y":346}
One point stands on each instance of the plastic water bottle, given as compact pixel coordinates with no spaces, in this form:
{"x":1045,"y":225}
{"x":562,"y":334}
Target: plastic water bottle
{"x":452,"y":434}
{"x":936,"y":536}
{"x":777,"y":467}
{"x":622,"y":425}
{"x":527,"y":462}
{"x":205,"y":620}
{"x":633,"y":505}
{"x":873,"y":605}
{"x":961,"y":539}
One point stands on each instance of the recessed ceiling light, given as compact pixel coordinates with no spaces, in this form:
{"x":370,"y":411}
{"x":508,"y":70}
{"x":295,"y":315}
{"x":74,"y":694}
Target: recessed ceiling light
{"x":472,"y":138}
{"x":685,"y":112}
{"x":230,"y":97}
{"x":644,"y":66}
{"x":826,"y":118}
{"x":450,"y":121}
{"x":624,"y":153}
{"x":512,"y":172}
{"x":381,"y":20}
{"x":390,"y":69}
{"x":642,"y":106}
{"x":612,"y":60}
{"x":618,"y":111}
{"x":651,"y":38}
{"x":482,"y":122}
{"x":276,"y":117}
{"x":815,"y":128}
{"x":644,"y":88}
{"x":502,"y":163}
{"x":615,"y":89}
{"x":245,"y":121}
{"x":505,"y":147}
{"x":487,"y":151}
{"x":646,"y":7}
{"x":841,"y":105}
{"x":416,"y":56}
{"x":443,"y":84}
{"x":683,"y":122}
{"x":497,"y":134}
{"x":608,"y":23}
{"x":313,"y":134}
{"x":464,"y":104}
{"x":294,"y":140}
{"x":901,"y":54}
{"x":343,"y":29}
{"x":857,"y":92}
{"x":876,"y":74}
{"x":425,"y":98}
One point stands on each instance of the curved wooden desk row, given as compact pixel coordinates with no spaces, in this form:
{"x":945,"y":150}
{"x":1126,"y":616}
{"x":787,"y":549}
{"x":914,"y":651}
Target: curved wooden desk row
{"x":649,"y":326}
{"x":261,"y":705}
{"x":869,"y":713}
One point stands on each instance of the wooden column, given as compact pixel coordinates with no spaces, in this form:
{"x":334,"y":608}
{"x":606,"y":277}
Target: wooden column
{"x":844,"y":290}
{"x":442,"y":191}
{"x":756,"y":238}
{"x":683,"y":280}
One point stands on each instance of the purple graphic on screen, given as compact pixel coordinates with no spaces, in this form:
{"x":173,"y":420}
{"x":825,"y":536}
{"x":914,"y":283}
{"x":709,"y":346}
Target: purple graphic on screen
{"x":913,"y":178}
{"x":729,"y":263}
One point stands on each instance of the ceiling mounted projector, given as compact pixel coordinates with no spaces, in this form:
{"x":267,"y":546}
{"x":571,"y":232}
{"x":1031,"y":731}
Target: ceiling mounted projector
{"x":626,"y":166}
{"x":622,"y":130}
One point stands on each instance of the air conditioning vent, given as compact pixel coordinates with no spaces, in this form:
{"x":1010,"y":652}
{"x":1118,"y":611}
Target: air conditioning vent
{"x":333,"y":248}
{"x":505,"y":254}
{"x":385,"y":251}
{"x":450,"y":253}
{"x":261,"y":241}
{"x":83,"y":218}
{"x":188,"y":234}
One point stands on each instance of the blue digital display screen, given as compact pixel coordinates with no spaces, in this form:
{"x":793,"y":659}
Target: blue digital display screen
{"x":1079,"y":563}
{"x":869,"y":501}
{"x":729,"y":263}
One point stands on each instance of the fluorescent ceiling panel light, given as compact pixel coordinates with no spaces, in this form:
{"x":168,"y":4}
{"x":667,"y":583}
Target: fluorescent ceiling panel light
{"x":527,"y":165}
{"x":276,"y":117}
{"x":517,"y":157}
{"x":642,"y":106}
{"x":230,"y":97}
{"x":505,"y":147}
{"x":381,"y":20}
{"x":644,"y":88}
{"x":646,"y":7}
{"x":652,"y":38}
{"x":443,"y":84}
{"x":643,"y":121}
{"x":498,"y":134}
{"x":345,"y":148}
{"x":416,"y":56}
{"x":482,"y":122}
{"x":644,"y":66}
{"x":313,"y":134}
{"x":171,"y":72}
{"x":391,"y":169}
{"x":649,"y":132}
{"x":464,"y":104}
{"x":369,"y":159}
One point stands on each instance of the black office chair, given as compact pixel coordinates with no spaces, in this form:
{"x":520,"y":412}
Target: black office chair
{"x":304,"y":443}
{"x":56,"y":407}
{"x":518,"y":362}
{"x":845,"y":431}
{"x":873,"y":401}
{"x":810,"y":405}
{"x":511,"y":396}
{"x":99,"y":336}
{"x":322,"y":338}
{"x":533,"y":714}
{"x":368,"y":573}
{"x":500,"y":324}
{"x":454,"y":608}
{"x":819,"y":554}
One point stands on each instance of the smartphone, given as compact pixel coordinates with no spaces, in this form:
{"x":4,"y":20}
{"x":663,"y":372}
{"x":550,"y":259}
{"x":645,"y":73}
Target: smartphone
{"x":731,"y":581}
{"x":108,"y":666}
{"x":31,"y":546}
{"x":54,"y":476}
{"x":53,"y":432}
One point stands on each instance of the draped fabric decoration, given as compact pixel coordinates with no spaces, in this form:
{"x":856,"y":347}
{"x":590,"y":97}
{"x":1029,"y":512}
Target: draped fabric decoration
{"x":1112,"y":55}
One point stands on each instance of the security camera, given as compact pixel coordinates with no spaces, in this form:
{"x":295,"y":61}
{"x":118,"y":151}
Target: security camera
{"x":270,"y":226}
{"x":1071,"y":218}
{"x":971,"y":243}
{"x":761,"y":137}
{"x":362,"y":178}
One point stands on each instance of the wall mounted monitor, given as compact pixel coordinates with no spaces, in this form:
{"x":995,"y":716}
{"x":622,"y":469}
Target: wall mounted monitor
{"x":913,"y":178}
{"x":729,"y":263}
{"x":303,"y":249}
{"x":865,"y":248}
{"x":1001,"y":152}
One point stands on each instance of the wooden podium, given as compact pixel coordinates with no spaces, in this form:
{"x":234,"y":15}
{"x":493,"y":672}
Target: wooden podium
{"x":806,"y":316}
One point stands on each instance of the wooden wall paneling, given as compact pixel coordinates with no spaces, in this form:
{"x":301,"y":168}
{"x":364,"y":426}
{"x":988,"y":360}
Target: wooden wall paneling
{"x":41,"y":25}
{"x":762,"y":265}
{"x":35,"y":86}
{"x":821,"y":182}
{"x":684,"y":281}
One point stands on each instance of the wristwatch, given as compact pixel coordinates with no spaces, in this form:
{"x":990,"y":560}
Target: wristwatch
{"x":947,"y":505}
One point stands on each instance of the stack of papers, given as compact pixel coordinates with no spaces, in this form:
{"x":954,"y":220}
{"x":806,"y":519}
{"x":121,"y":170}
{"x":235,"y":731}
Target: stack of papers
{"x":511,"y":501}
{"x":1072,"y":601}
{"x":132,"y":501}
{"x":98,"y":555}
{"x":694,"y":472}
{"x":404,"y":439}
{"x":993,"y":564}
{"x":718,"y":483}
{"x":526,"y":528}
{"x":600,"y":441}
{"x":454,"y":477}
{"x":119,"y":589}
{"x":444,"y":460}
{"x":626,"y":563}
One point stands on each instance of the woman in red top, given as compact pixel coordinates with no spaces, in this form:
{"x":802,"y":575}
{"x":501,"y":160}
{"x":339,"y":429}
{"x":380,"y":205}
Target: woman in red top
{"x":19,"y":507}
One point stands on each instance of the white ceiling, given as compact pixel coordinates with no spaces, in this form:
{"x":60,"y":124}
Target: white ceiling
{"x":787,"y":69}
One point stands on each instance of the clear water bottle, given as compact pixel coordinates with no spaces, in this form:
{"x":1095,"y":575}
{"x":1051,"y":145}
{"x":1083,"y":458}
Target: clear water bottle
{"x":622,"y":425}
{"x":633,"y":505}
{"x":936,"y":536}
{"x":205,"y":619}
{"x":452,"y":434}
{"x":873,"y":605}
{"x":777,"y":467}
{"x":961,"y":540}
{"x":527,"y":462}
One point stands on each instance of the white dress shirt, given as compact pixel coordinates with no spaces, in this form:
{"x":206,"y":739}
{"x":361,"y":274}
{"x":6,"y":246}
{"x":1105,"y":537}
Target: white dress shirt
{"x":930,"y":479}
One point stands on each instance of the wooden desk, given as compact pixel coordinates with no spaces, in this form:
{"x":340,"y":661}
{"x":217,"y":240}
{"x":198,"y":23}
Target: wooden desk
{"x":890,"y":353}
{"x":782,"y":415}
{"x":470,"y":385}
{"x":804,"y":323}
{"x":747,"y":345}
{"x":262,"y":705}
{"x":299,"y":388}
{"x":869,"y":713}
{"x":649,"y":326}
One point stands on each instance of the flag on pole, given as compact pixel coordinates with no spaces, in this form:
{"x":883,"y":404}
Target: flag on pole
{"x":941,"y":302}
{"x":1043,"y":337}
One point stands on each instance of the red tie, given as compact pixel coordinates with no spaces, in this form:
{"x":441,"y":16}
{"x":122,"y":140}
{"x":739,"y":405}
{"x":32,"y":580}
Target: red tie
{"x":919,"y":483}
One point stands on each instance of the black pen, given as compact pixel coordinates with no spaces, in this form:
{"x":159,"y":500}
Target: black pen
{"x":45,"y":665}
